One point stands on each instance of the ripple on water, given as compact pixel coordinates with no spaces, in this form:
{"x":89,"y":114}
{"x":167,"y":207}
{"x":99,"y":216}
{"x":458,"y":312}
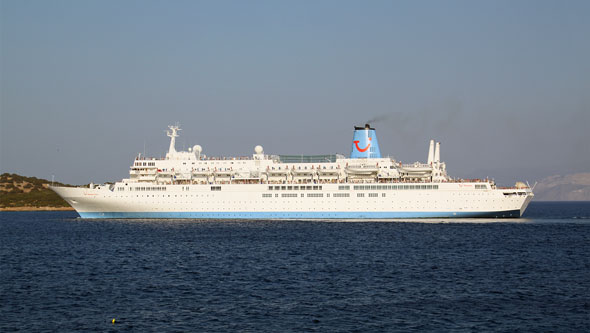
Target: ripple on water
{"x":60,"y":273}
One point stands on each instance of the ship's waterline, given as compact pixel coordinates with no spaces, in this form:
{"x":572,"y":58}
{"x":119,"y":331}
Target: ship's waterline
{"x":365,"y":185}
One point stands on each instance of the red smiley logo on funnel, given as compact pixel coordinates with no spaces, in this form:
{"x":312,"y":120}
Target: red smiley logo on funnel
{"x":362,"y":150}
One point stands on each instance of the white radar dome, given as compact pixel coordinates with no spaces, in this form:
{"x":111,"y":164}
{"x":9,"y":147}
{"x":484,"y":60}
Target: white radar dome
{"x":197,"y":149}
{"x":258,"y":149}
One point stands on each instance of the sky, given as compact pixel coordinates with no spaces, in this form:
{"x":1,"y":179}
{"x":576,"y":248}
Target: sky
{"x":87,"y":85}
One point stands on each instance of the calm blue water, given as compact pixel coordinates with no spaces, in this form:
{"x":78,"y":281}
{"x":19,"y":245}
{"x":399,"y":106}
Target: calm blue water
{"x":60,"y":273}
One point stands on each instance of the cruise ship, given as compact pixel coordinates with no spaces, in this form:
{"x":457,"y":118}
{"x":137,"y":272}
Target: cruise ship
{"x":364,"y":185}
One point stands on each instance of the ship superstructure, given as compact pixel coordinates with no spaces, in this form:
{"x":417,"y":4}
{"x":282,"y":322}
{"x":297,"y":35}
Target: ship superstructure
{"x":365,"y":185}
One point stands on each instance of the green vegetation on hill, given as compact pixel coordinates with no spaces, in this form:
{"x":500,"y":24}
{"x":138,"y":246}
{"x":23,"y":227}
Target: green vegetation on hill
{"x":20,"y":191}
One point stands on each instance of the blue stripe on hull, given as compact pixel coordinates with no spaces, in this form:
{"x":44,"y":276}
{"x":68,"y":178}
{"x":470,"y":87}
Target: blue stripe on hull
{"x":294,"y":215}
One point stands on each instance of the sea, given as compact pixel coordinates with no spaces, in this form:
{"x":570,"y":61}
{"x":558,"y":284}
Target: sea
{"x":60,"y":273}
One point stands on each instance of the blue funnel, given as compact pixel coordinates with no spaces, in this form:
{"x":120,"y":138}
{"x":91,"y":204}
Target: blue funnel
{"x":365,"y":143}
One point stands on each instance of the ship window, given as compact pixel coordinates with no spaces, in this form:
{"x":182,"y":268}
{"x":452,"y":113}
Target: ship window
{"x":289,"y":188}
{"x":283,"y":188}
{"x":308,"y":188}
{"x":383,"y":195}
{"x":296,"y":188}
{"x":373,"y":195}
{"x":270,"y":188}
{"x":360,"y":195}
{"x":315,"y":187}
{"x":341,"y":195}
{"x":423,"y":187}
{"x":215,"y":188}
{"x":435,"y":187}
{"x":267,"y":195}
{"x":344,"y":187}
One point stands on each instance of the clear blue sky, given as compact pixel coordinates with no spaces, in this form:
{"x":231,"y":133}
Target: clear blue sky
{"x":504,"y":85}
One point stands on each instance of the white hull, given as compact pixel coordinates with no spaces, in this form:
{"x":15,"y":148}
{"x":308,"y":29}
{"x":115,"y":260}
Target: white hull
{"x":257,"y":201}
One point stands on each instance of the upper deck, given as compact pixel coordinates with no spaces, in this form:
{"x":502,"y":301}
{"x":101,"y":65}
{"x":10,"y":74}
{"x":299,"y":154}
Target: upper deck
{"x":194,"y":167}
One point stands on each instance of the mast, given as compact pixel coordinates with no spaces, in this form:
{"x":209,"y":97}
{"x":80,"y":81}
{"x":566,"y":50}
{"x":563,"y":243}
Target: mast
{"x":172,"y":133}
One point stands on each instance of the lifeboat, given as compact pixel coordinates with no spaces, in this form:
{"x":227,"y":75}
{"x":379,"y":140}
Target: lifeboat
{"x":303,"y":171}
{"x":416,"y":168}
{"x":362,"y":169}
{"x":223,"y":173}
{"x":328,"y":171}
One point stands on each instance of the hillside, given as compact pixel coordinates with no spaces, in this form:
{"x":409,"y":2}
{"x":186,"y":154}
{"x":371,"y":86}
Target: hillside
{"x":23,"y":193}
{"x":574,"y":187}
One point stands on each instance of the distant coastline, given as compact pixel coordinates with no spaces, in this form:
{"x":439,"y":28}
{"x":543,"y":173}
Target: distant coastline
{"x":20,"y":193}
{"x":572,"y":187}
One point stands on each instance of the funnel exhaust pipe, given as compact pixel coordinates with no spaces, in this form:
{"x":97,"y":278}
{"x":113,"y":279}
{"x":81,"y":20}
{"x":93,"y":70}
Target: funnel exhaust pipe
{"x":431,"y":152}
{"x":437,"y":153}
{"x":365,"y":143}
